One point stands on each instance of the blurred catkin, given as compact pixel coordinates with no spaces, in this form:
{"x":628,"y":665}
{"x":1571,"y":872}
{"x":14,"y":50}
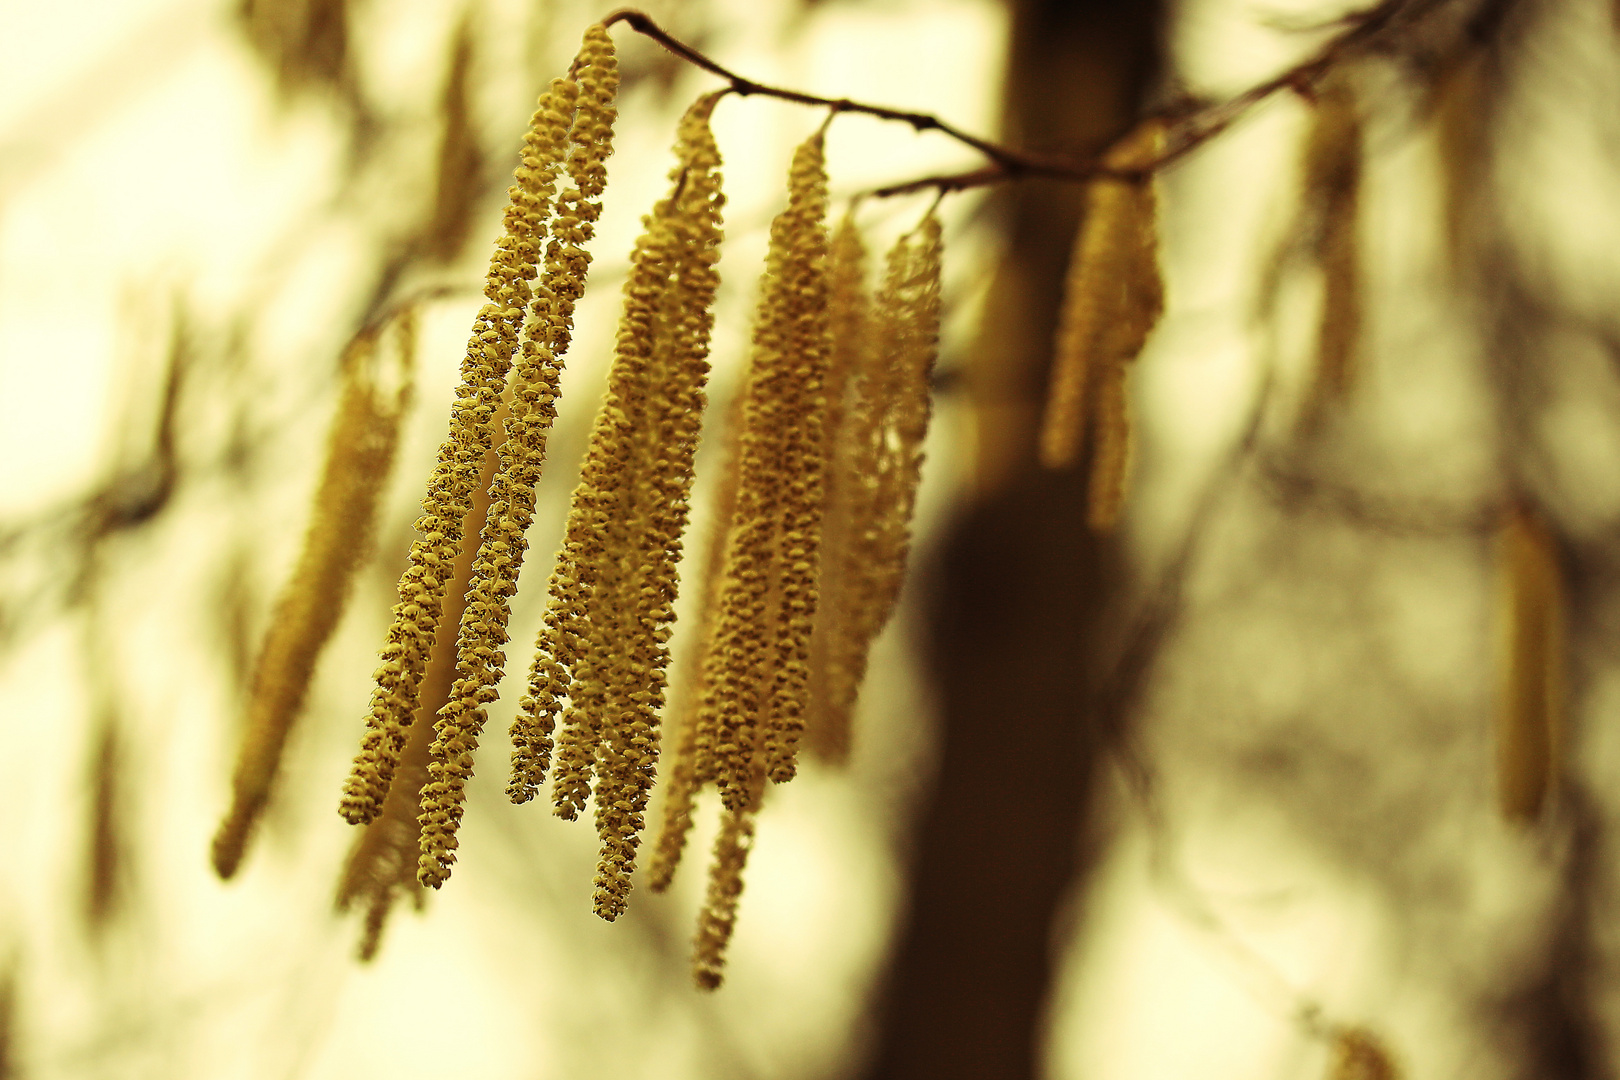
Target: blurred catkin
{"x":875,"y":464}
{"x":1112,"y":299}
{"x":603,"y":644}
{"x":1332,"y":201}
{"x":359,"y":457}
{"x":756,"y":674}
{"x":1358,"y":1054}
{"x":480,"y":658}
{"x":460,"y":172}
{"x":848,"y":438}
{"x":304,"y":42}
{"x":1532,"y":666}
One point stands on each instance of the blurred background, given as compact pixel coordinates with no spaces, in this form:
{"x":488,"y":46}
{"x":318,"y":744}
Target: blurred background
{"x":1200,"y":796}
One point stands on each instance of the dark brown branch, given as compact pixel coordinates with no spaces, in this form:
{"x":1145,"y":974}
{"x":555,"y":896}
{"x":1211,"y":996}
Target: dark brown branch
{"x":1364,"y":32}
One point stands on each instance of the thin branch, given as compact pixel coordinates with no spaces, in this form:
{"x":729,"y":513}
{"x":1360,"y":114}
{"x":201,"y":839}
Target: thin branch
{"x":1364,"y":32}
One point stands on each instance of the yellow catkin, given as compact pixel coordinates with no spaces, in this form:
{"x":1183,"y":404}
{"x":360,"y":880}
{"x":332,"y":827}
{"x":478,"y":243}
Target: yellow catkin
{"x":689,"y":771}
{"x":1332,"y":184}
{"x":1462,"y":105}
{"x":382,"y":865}
{"x":848,"y":433}
{"x":757,"y":673}
{"x":461,"y":156}
{"x":1358,"y":1054}
{"x":719,"y":915}
{"x":1113,"y":295}
{"x":480,"y":658}
{"x":603,"y":645}
{"x":450,"y":487}
{"x":1530,"y":713}
{"x":107,"y":849}
{"x":359,"y":457}
{"x":912,"y":345}
{"x":878,"y":463}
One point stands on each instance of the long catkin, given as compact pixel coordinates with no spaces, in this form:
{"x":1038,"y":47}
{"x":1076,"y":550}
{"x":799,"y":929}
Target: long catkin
{"x":455,"y":474}
{"x":874,"y":472}
{"x":847,"y":436}
{"x":719,"y":915}
{"x":602,"y":646}
{"x":1112,"y":299}
{"x":359,"y":457}
{"x":1332,"y":193}
{"x":1532,"y":666}
{"x":480,"y":657}
{"x":756,"y":675}
{"x":690,"y":770}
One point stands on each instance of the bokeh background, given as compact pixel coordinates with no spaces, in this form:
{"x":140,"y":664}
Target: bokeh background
{"x":1191,"y":798}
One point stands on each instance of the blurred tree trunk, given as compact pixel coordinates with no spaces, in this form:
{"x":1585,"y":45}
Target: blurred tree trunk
{"x":1020,"y":594}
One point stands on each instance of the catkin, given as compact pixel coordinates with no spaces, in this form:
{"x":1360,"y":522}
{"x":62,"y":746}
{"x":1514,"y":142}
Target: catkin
{"x":1528,"y":734}
{"x":1333,"y":196}
{"x":603,"y":644}
{"x":1112,"y":299}
{"x":874,"y":472}
{"x":756,"y":674}
{"x":847,"y":435}
{"x":719,"y":915}
{"x":359,"y":456}
{"x":481,"y":659}
{"x":690,"y":768}
{"x":450,"y":487}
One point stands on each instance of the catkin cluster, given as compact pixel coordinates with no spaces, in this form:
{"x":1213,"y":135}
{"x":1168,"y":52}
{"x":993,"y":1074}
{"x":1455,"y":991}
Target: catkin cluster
{"x":829,"y":425}
{"x":1112,"y":299}
{"x":359,"y":457}
{"x":480,"y":657}
{"x":572,"y":129}
{"x":601,"y":656}
{"x":827,"y":432}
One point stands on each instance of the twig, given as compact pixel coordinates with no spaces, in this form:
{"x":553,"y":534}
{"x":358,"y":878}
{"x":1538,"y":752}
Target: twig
{"x":1364,"y":31}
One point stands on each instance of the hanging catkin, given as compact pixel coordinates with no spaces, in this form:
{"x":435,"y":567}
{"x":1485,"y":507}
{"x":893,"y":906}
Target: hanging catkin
{"x":480,"y":657}
{"x":1112,"y":299}
{"x":450,"y":487}
{"x":874,"y":473}
{"x":848,"y":439}
{"x":1332,"y":195}
{"x":1530,"y":713}
{"x":719,"y":915}
{"x":756,"y":674}
{"x":686,"y":774}
{"x":359,"y":457}
{"x":602,"y":647}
